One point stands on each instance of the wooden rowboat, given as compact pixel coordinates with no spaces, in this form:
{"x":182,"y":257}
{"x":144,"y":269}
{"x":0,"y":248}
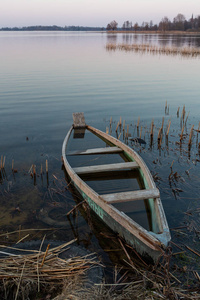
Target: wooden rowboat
{"x":134,"y":188}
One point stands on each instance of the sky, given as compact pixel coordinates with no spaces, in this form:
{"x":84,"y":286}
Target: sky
{"x":92,"y":12}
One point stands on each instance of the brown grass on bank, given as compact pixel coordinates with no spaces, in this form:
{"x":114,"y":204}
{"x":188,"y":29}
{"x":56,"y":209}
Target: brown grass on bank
{"x":150,"y":282}
{"x":152,"y":49}
{"x":172,"y":32}
{"x":38,"y":273}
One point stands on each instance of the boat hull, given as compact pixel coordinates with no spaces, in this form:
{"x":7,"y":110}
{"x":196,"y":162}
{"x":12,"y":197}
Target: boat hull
{"x":149,"y":245}
{"x":148,"y":254}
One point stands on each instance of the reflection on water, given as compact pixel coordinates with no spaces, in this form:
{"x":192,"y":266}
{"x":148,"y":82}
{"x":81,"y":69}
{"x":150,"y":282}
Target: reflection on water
{"x":45,"y":77}
{"x":156,"y":39}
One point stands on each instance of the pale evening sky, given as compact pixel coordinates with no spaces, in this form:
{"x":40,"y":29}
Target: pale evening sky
{"x":91,"y":12}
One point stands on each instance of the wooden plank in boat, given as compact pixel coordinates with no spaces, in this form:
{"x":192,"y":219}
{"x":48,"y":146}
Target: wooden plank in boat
{"x":105,"y":150}
{"x":78,"y":120}
{"x":106,"y":168}
{"x":131,"y":196}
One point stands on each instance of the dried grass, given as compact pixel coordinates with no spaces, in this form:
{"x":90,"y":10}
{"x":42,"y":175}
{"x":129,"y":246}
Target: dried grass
{"x":41,"y":272}
{"x":152,"y":49}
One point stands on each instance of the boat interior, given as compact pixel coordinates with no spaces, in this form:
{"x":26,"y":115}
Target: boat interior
{"x":110,"y":173}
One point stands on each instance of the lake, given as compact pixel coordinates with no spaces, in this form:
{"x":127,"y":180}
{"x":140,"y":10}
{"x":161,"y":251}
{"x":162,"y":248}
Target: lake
{"x":46,"y":76}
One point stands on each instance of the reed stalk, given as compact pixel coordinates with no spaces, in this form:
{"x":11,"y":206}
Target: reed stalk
{"x":159,"y":134}
{"x":127,"y":133}
{"x":47,"y":167}
{"x":181,"y":136}
{"x":1,"y":161}
{"x":140,"y":132}
{"x":34,"y":170}
{"x":168,"y":128}
{"x":152,"y":126}
{"x":153,"y":49}
{"x":124,"y":125}
{"x":178,"y":112}
{"x":4,"y":161}
{"x":190,"y":137}
{"x":163,"y":119}
{"x":138,"y":122}
{"x":117,"y":127}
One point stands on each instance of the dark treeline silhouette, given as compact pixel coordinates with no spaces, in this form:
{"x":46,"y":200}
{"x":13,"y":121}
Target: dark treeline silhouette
{"x":179,"y":23}
{"x":52,"y":28}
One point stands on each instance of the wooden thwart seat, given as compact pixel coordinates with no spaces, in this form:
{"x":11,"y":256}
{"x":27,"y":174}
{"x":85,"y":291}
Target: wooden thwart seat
{"x":131,"y":196}
{"x":106,"y":168}
{"x":106,"y":150}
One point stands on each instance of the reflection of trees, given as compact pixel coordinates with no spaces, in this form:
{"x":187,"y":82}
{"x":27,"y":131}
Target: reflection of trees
{"x":179,"y":41}
{"x":164,"y":40}
{"x":111,"y":38}
{"x":127,"y":38}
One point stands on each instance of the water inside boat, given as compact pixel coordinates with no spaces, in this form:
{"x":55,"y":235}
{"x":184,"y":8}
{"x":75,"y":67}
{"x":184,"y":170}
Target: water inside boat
{"x":111,"y":181}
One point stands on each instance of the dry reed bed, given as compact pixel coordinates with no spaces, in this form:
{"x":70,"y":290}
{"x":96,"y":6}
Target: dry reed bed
{"x":147,"y":48}
{"x":39,"y":271}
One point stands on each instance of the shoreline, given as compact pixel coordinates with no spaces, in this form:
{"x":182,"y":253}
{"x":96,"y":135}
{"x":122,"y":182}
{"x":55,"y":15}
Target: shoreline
{"x":155,"y":32}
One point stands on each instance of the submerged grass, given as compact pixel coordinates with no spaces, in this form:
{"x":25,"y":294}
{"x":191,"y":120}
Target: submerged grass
{"x":152,"y":49}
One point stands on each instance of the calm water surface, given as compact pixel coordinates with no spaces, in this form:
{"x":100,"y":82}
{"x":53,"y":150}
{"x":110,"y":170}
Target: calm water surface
{"x":46,"y":76}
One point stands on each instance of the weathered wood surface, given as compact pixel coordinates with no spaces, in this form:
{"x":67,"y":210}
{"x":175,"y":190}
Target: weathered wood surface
{"x":107,"y":150}
{"x":78,"y":120}
{"x":152,"y":243}
{"x":129,"y":151}
{"x":105,"y":168}
{"x":131,"y":196}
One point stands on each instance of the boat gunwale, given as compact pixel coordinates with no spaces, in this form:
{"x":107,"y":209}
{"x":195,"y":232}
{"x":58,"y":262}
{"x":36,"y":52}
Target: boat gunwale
{"x":134,"y":228}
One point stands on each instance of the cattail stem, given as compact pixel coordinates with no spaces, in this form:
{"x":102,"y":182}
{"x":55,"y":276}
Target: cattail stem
{"x":127,"y":130}
{"x":181,"y":136}
{"x":166,"y":107}
{"x":1,"y":161}
{"x":190,"y":137}
{"x":138,"y":122}
{"x":47,"y":166}
{"x":168,"y":128}
{"x":140,"y":132}
{"x":117,"y":127}
{"x":4,"y":161}
{"x":124,"y":125}
{"x":163,"y":119}
{"x":152,"y":125}
{"x":178,"y":112}
{"x":187,"y":118}
{"x":159,"y":134}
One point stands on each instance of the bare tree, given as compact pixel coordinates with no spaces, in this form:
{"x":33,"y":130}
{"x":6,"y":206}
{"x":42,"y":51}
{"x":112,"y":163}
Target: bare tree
{"x":164,"y":24}
{"x":112,"y":25}
{"x":135,"y":26}
{"x":179,"y":22}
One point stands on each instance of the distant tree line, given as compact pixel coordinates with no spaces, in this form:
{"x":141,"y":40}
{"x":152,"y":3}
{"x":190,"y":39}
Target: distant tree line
{"x":179,"y":23}
{"x":52,"y":28}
